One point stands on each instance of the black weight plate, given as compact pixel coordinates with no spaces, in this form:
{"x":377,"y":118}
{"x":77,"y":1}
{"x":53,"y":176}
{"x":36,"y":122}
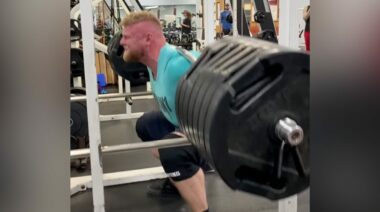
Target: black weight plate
{"x":74,"y":142}
{"x":184,"y":95}
{"x":227,"y":164}
{"x":248,"y":137}
{"x":182,"y":104}
{"x":211,"y":81}
{"x":216,"y":78}
{"x":228,"y":65}
{"x":199,"y":88}
{"x":193,"y":94}
{"x":200,"y":97}
{"x":233,"y":117}
{"x":195,"y":97}
{"x":135,"y":72}
{"x":77,"y":91}
{"x":75,"y":30}
{"x":187,"y":105}
{"x":78,"y":119}
{"x":77,"y":63}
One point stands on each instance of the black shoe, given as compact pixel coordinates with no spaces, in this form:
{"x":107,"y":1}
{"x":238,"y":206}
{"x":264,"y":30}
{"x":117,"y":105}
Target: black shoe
{"x":207,"y":168}
{"x":163,"y":189}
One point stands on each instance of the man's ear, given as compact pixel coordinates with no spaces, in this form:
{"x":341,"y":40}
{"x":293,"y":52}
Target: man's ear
{"x":148,"y":38}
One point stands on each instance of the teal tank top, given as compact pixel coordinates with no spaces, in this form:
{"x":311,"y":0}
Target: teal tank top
{"x":171,"y":66}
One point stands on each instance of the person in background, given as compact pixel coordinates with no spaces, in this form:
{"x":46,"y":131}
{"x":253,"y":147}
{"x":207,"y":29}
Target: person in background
{"x":186,"y":23}
{"x":226,"y":20}
{"x":306,"y":17}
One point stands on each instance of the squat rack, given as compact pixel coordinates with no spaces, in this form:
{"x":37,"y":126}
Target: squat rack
{"x":97,"y":180}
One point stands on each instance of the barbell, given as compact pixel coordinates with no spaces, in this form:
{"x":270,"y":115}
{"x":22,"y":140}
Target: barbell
{"x":244,"y":104}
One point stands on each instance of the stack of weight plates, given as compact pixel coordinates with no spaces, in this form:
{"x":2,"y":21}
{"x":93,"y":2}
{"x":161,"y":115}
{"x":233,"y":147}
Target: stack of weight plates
{"x":228,"y":104}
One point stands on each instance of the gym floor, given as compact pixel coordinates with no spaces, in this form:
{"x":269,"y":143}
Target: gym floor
{"x":132,"y":197}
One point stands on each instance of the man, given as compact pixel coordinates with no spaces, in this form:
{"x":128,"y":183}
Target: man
{"x":226,"y":20}
{"x":144,"y":42}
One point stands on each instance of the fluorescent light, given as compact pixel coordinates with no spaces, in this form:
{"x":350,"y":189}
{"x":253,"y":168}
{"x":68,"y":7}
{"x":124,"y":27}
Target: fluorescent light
{"x":150,"y":7}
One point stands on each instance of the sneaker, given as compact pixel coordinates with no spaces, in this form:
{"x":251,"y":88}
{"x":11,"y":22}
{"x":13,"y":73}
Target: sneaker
{"x":163,"y":189}
{"x":207,"y":168}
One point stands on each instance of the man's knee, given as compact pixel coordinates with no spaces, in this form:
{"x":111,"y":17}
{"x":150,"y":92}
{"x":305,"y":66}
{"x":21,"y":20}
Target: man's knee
{"x":141,"y":128}
{"x":178,"y":163}
{"x":153,"y":126}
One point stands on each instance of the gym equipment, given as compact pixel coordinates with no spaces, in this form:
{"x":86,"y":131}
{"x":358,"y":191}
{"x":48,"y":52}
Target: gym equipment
{"x":79,"y":138}
{"x":78,"y":119}
{"x":77,"y":65}
{"x":268,"y":35}
{"x":78,"y":115}
{"x":136,"y":73}
{"x":231,"y":104}
{"x":263,"y":16}
{"x":176,"y":37}
{"x":75,"y":30}
{"x":73,"y":3}
{"x":127,"y":95}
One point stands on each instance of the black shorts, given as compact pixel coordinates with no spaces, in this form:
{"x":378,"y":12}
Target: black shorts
{"x":179,"y":163}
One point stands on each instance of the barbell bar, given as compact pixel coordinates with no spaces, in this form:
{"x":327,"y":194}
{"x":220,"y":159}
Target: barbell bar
{"x":286,"y":129}
{"x":105,"y":96}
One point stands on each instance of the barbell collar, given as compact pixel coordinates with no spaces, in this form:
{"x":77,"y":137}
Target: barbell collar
{"x":289,"y":131}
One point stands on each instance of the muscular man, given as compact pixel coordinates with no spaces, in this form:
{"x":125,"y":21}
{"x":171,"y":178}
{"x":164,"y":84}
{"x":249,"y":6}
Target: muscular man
{"x":144,"y":42}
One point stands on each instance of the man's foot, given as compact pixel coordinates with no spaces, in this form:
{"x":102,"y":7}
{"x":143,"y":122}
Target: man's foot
{"x":207,"y":168}
{"x":163,"y":189}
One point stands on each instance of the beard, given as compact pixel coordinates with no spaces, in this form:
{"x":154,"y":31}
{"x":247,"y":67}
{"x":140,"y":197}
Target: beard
{"x":129,"y":56}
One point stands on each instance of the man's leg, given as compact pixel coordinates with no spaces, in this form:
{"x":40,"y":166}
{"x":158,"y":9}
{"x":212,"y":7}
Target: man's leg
{"x":183,"y":165}
{"x":154,"y":126}
{"x":184,"y":161}
{"x":193,"y":191}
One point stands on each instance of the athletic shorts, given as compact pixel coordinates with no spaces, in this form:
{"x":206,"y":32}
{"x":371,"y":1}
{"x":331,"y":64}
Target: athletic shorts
{"x":180,"y":163}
